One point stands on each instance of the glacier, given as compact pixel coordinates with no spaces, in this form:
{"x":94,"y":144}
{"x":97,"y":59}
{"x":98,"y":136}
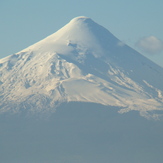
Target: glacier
{"x":81,"y":62}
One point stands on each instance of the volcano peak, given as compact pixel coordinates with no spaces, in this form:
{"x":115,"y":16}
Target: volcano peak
{"x":81,"y":19}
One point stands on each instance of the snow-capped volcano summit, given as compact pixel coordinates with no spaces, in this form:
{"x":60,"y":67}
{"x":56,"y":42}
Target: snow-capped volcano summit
{"x":81,"y":62}
{"x":81,"y":31}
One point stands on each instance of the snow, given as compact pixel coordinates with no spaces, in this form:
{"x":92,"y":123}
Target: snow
{"x":81,"y":62}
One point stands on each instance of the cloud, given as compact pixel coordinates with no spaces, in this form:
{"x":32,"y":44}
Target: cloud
{"x":150,"y":45}
{"x":120,"y":43}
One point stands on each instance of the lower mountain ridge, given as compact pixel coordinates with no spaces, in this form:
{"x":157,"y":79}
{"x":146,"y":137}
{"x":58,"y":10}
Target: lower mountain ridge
{"x":81,"y":133}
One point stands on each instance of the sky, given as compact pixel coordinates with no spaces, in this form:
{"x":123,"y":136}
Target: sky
{"x":137,"y":23}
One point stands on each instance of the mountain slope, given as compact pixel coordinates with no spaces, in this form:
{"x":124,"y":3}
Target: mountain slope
{"x":81,"y":133}
{"x":81,"y":62}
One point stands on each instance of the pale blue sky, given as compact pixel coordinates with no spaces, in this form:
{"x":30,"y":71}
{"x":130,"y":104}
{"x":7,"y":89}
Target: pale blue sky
{"x":22,"y":23}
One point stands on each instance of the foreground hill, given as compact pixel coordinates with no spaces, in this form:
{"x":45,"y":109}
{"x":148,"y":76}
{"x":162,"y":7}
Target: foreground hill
{"x":81,"y":133}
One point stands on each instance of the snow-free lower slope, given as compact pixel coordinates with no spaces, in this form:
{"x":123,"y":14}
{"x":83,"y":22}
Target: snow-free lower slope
{"x":81,"y":62}
{"x":81,"y":133}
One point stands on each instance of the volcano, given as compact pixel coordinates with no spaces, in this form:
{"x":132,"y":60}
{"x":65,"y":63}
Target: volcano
{"x":85,"y":75}
{"x":81,"y":62}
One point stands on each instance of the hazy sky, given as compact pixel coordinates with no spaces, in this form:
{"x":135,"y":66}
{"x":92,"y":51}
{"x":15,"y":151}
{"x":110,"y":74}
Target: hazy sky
{"x":137,"y":23}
